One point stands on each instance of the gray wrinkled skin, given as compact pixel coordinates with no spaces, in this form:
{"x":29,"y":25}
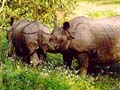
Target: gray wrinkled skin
{"x":90,"y":41}
{"x":29,"y":40}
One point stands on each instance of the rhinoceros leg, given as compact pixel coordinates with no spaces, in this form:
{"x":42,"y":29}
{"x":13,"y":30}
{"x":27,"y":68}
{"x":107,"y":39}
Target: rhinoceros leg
{"x":34,"y":60}
{"x":11,"y":50}
{"x":42,"y":58}
{"x":92,"y":68}
{"x":67,"y":59}
{"x":83,"y":60}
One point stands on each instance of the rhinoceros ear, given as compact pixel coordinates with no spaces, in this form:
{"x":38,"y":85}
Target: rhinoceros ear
{"x":66,"y":25}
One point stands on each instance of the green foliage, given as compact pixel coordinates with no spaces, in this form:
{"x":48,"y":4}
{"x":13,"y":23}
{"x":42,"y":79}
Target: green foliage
{"x":0,"y":39}
{"x":102,"y":13}
{"x":1,"y":79}
{"x":16,"y":76}
{"x":43,"y":10}
{"x":103,"y":2}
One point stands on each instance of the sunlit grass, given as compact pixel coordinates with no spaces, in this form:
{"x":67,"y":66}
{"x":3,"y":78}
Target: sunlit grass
{"x":53,"y":76}
{"x":91,"y":8}
{"x":102,"y":2}
{"x":16,"y":77}
{"x":101,"y":14}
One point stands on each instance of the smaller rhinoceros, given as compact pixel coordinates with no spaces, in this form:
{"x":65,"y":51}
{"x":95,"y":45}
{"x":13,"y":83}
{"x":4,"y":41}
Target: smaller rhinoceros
{"x":90,"y":41}
{"x":30,"y":40}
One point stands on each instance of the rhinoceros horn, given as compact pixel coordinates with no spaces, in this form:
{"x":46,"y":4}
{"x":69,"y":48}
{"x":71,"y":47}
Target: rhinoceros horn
{"x":55,"y":23}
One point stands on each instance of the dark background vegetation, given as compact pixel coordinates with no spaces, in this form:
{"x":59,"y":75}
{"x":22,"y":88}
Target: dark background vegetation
{"x":16,"y":76}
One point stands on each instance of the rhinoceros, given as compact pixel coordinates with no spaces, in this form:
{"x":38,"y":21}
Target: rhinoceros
{"x":90,"y":41}
{"x":29,"y":39}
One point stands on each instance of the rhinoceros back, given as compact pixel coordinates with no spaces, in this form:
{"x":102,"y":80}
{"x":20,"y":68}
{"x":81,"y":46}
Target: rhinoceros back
{"x":35,"y":27}
{"x":107,"y":38}
{"x":77,"y":21}
{"x":35,"y":31}
{"x":33,"y":34}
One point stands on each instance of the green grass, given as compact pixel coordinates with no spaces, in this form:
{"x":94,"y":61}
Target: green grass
{"x":15,"y":76}
{"x":101,"y":13}
{"x":103,"y":2}
{"x":53,"y":76}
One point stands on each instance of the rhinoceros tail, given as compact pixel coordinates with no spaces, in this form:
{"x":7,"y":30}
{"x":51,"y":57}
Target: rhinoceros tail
{"x":11,"y":21}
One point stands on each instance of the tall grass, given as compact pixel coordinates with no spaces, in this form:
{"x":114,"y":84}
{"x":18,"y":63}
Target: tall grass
{"x":103,"y":2}
{"x":16,"y":76}
{"x":101,"y":13}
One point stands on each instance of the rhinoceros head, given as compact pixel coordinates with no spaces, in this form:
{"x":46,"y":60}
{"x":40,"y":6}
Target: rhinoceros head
{"x":60,"y":37}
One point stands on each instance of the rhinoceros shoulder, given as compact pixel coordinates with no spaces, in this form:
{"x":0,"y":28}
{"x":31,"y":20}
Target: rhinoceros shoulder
{"x":34,"y":27}
{"x":74,"y":23}
{"x":44,"y":28}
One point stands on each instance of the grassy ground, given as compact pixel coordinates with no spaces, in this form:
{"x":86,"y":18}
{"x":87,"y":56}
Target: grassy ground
{"x":16,"y":76}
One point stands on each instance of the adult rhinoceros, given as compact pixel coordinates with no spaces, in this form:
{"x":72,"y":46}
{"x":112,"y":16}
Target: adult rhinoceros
{"x":90,"y":41}
{"x":30,"y":40}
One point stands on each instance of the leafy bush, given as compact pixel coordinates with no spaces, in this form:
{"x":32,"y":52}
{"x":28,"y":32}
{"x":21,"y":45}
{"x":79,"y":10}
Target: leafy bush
{"x":43,"y":10}
{"x":16,"y":76}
